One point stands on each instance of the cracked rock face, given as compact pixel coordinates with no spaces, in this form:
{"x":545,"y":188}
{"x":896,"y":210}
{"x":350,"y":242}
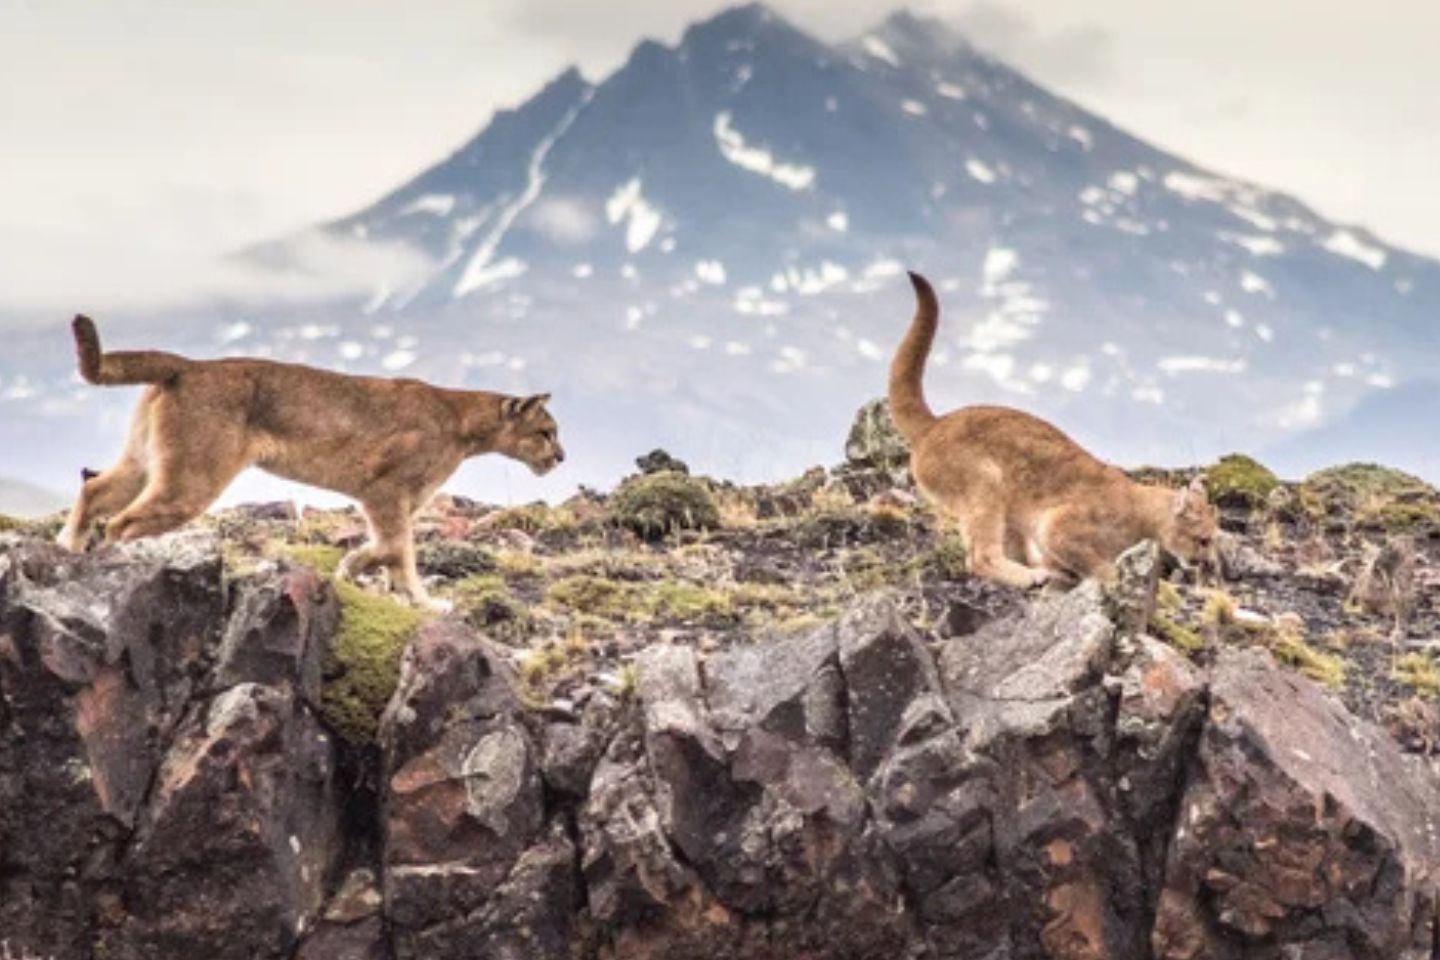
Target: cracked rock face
{"x":1050,"y":784}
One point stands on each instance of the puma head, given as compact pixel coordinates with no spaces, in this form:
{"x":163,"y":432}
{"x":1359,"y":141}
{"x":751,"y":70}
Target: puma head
{"x":529,"y":434}
{"x":1190,"y":533}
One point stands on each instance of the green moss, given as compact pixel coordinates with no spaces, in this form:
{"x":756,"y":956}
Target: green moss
{"x":362,"y":664}
{"x":655,"y":505}
{"x":1371,"y":495}
{"x":1239,"y":481}
{"x":1419,"y":672}
{"x":322,"y":558}
{"x":486,"y":603}
{"x":597,"y":596}
{"x":1182,"y":638}
{"x":643,"y":601}
{"x":688,"y":602}
{"x":1167,"y":596}
{"x":1326,"y":668}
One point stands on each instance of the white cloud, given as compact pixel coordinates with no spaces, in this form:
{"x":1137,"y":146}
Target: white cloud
{"x":68,"y":273}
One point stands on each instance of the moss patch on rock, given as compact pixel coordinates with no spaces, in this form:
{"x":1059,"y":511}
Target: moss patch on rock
{"x":1372,"y":495}
{"x":322,"y":558}
{"x":486,"y":603}
{"x":656,"y":505}
{"x":1240,"y":481}
{"x":362,"y":665}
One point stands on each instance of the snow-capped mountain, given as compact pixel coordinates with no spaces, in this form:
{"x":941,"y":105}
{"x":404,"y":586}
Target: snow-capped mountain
{"x":705,"y":251}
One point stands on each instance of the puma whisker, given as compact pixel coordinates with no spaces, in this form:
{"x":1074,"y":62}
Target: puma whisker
{"x":389,"y":444}
{"x":1030,"y":503}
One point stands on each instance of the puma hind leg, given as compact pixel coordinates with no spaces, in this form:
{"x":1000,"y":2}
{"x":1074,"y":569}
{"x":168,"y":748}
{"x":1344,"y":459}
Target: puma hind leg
{"x":986,"y":542}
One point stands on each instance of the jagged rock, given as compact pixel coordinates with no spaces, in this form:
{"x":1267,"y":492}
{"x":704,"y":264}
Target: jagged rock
{"x":277,"y":633}
{"x":462,"y":796}
{"x":1132,"y":595}
{"x":1385,"y":583}
{"x":238,"y":837}
{"x":351,"y":928}
{"x":874,"y":441}
{"x":100,"y":657}
{"x":570,"y":752}
{"x":1239,"y":561}
{"x":1302,"y":832}
{"x":1029,"y":696}
{"x":1029,"y":777}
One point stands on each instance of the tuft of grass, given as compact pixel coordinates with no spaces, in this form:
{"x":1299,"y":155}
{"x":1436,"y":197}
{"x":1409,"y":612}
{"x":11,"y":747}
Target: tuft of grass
{"x":1286,"y":640}
{"x":1180,"y":637}
{"x":1326,"y":668}
{"x":947,"y":558}
{"x":321,"y":558}
{"x":362,"y":664}
{"x":9,"y":524}
{"x":645,"y":601}
{"x":737,"y":511}
{"x":653,"y":506}
{"x":1167,"y":596}
{"x":597,"y":596}
{"x":485,"y":601}
{"x":1419,"y":672}
{"x":687,"y":602}
{"x":534,"y":518}
{"x":1239,"y":481}
{"x":1219,"y":610}
{"x":629,"y":685}
{"x":518,"y":563}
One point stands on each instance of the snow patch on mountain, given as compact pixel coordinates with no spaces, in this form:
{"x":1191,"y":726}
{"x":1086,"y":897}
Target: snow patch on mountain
{"x":879,"y":49}
{"x":1346,"y":244}
{"x":979,"y":170}
{"x":628,"y":205}
{"x":439,"y":204}
{"x":477,"y":272}
{"x":757,"y":159}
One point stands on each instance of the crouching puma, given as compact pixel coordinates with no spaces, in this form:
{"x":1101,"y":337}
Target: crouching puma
{"x":1030,"y":503}
{"x":387,"y":443}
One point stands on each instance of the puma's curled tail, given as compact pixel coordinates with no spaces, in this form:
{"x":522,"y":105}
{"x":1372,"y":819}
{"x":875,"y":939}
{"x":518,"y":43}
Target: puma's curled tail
{"x":124,"y":367}
{"x":912,"y":415}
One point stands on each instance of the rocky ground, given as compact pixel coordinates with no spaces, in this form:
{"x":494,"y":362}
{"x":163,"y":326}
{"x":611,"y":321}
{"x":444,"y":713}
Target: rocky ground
{"x":665,"y":746}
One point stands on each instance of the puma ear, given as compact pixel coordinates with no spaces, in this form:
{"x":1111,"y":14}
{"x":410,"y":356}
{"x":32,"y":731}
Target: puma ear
{"x":513,"y":408}
{"x":1194,"y":495}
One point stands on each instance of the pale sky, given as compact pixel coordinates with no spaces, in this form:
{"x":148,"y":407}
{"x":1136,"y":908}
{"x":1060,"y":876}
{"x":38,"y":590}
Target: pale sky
{"x":140,"y":137}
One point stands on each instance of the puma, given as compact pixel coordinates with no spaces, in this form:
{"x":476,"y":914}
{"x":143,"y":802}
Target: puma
{"x":1031,"y":504}
{"x":388,"y":443}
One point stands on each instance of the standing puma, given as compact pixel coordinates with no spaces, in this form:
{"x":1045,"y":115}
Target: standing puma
{"x":387,"y":443}
{"x":1031,"y":505}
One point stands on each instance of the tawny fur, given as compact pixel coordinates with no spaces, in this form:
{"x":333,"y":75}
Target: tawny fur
{"x":1030,"y":503}
{"x":387,"y":443}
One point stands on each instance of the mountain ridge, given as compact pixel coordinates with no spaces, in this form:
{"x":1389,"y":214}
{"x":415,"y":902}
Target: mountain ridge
{"x":723,"y":224}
